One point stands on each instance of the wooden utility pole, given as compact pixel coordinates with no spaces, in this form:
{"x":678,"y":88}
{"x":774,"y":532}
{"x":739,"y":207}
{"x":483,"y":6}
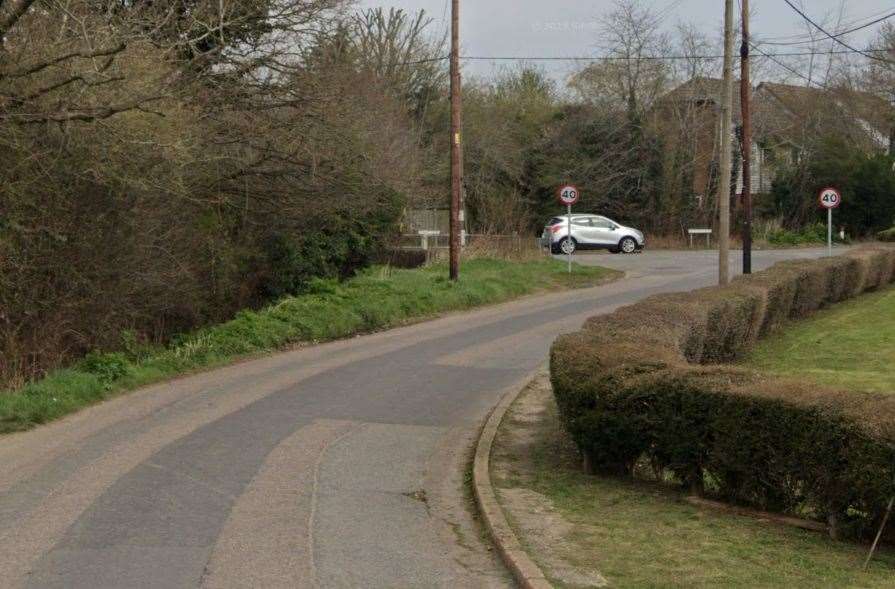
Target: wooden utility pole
{"x":456,"y":154}
{"x":726,"y":154}
{"x":746,"y":101}
{"x":892,"y":128}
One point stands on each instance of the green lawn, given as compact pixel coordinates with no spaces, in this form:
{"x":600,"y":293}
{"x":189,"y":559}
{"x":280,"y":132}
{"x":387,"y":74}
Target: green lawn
{"x":849,"y":345}
{"x":642,"y":535}
{"x":378,"y":298}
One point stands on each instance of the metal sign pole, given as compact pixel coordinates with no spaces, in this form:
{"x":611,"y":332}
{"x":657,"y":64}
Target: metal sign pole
{"x":830,"y":232}
{"x":569,"y":236}
{"x":830,"y":198}
{"x":568,"y":195}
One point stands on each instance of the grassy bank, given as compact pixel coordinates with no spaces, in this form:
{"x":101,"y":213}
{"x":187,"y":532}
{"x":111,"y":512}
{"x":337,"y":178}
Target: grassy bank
{"x":637,"y":535}
{"x":376,"y":299}
{"x":850,"y":345}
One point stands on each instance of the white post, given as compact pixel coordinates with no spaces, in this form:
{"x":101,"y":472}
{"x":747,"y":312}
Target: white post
{"x":569,"y":236}
{"x":830,"y":232}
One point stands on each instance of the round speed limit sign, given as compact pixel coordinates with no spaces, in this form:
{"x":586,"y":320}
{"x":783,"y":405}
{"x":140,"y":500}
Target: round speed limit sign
{"x":830,"y":198}
{"x":568,"y":195}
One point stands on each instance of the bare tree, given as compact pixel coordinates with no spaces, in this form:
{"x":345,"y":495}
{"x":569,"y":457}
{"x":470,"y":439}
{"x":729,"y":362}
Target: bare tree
{"x":396,"y":45}
{"x":66,"y":60}
{"x":168,"y":163}
{"x":879,"y":75}
{"x":505,"y":118}
{"x":693,"y":44}
{"x":633,"y":74}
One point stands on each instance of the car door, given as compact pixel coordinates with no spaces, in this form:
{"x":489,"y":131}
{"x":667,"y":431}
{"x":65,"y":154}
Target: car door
{"x":603,"y":231}
{"x":582,"y":230}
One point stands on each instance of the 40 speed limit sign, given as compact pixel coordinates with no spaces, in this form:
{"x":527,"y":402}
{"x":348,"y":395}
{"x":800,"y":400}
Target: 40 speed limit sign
{"x":830,"y":198}
{"x":568,"y":195}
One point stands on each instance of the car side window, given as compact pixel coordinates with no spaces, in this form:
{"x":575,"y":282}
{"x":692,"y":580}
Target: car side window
{"x":602,"y":224}
{"x":581,"y":222}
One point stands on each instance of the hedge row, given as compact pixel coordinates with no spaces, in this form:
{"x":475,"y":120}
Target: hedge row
{"x":646,"y":386}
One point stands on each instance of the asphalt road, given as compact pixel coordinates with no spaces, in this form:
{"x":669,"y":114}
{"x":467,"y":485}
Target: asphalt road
{"x":340,"y":465}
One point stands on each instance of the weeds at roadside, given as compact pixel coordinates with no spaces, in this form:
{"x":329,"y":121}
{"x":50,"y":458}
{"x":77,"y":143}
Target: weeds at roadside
{"x":376,"y":299}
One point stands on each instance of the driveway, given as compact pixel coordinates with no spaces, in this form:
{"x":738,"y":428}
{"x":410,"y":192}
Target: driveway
{"x":339,"y":465}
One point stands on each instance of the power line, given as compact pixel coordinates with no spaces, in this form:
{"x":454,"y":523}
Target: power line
{"x":647,"y":57}
{"x":809,"y":37}
{"x":597,"y":58}
{"x":782,"y":64}
{"x":837,"y":35}
{"x":772,"y":56}
{"x":669,"y":9}
{"x":422,"y":61}
{"x":834,"y":38}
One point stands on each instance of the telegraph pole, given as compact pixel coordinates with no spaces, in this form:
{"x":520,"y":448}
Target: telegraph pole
{"x":726,"y":155}
{"x":892,"y":128}
{"x":746,"y":101}
{"x":456,"y":155}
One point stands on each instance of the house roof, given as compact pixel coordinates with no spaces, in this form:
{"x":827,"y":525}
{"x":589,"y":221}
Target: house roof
{"x":705,"y":90}
{"x":783,"y":107}
{"x":788,"y":112}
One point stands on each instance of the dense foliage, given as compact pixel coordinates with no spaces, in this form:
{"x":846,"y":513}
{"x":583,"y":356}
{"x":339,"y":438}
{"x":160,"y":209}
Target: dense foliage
{"x":643,"y":386}
{"x":866,"y":181}
{"x":167,"y":164}
{"x":170,"y":164}
{"x":164,"y":169}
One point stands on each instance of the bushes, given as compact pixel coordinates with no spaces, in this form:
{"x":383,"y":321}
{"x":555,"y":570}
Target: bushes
{"x":888,"y":235}
{"x":328,"y":247}
{"x":814,"y":233}
{"x":644,"y":386}
{"x":866,"y":181}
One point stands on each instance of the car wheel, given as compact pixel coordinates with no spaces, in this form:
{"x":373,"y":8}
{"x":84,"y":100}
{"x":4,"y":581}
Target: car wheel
{"x":627,"y":245}
{"x":567,"y":246}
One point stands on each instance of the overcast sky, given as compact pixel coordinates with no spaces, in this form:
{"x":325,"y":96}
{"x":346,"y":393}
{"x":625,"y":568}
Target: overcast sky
{"x":565,"y":28}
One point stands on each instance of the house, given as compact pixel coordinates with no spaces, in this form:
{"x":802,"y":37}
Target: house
{"x":785,"y":120}
{"x":688,"y":119}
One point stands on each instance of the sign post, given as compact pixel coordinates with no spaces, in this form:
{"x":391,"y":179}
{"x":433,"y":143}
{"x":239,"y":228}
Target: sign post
{"x":569,"y":195}
{"x":830,"y":199}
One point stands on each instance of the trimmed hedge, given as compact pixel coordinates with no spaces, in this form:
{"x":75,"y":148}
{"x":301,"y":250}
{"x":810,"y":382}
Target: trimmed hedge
{"x":646,"y":385}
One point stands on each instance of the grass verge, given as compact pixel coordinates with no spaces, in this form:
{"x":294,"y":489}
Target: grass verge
{"x":850,"y":345}
{"x":639,"y":535}
{"x":376,"y":299}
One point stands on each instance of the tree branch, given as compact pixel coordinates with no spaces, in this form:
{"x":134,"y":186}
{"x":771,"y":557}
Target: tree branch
{"x":10,"y":15}
{"x":81,"y":114}
{"x":83,"y":54}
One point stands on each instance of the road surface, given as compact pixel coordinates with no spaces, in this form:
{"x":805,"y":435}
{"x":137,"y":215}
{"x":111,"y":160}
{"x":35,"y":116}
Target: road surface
{"x":339,"y":465}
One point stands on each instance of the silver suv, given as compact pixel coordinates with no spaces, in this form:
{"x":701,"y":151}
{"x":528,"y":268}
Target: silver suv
{"x":591,"y":232}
